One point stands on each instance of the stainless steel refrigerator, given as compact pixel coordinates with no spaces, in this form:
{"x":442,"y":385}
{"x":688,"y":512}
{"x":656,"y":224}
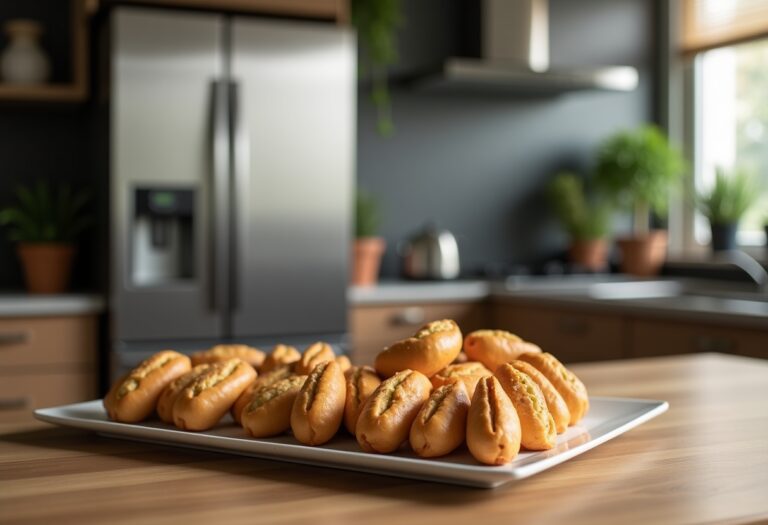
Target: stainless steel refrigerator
{"x":232,"y":161}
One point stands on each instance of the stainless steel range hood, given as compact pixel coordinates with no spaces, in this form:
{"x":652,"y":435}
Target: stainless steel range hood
{"x":516,"y":56}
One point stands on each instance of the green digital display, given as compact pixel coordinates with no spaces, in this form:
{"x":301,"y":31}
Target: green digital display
{"x":163,"y":199}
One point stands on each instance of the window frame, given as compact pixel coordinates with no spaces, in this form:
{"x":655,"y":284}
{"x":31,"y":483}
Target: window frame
{"x":681,"y":115}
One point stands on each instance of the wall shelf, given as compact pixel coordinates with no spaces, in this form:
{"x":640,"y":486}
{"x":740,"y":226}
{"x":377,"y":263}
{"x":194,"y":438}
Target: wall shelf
{"x":42,"y":93}
{"x":76,"y":89}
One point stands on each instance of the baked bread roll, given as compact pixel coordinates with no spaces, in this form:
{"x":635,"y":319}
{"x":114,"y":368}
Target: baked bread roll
{"x":252,"y":356}
{"x":555,"y":402}
{"x":441,"y":424}
{"x":319,"y":406}
{"x":314,"y":355}
{"x":280,"y":355}
{"x":494,"y":348}
{"x":134,"y":397}
{"x":208,"y":397}
{"x":261,"y":380}
{"x":387,"y":415}
{"x":344,"y":363}
{"x":536,"y":423}
{"x":565,"y":382}
{"x":169,"y":394}
{"x":361,"y":383}
{"x":468,"y":373}
{"x":269,"y":411}
{"x":430,"y":350}
{"x":493,"y":428}
{"x":461,"y":358}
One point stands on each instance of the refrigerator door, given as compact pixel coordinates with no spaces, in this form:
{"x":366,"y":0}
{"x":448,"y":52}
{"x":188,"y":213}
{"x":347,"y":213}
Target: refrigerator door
{"x":293,"y":124}
{"x":170,"y":143}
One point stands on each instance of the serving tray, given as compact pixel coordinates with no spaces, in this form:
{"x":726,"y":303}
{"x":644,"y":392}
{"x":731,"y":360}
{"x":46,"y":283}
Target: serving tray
{"x":607,"y":418}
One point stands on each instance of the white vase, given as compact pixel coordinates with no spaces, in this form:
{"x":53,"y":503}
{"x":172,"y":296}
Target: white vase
{"x":23,"y":61}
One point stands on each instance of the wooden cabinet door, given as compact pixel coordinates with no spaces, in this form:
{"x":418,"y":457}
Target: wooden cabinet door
{"x":372,"y":328}
{"x":47,"y":342}
{"x":20,"y":394}
{"x":569,"y":334}
{"x":650,"y":337}
{"x":45,"y":361}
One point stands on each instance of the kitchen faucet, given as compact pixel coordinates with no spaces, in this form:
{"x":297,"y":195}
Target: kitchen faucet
{"x":748,"y":264}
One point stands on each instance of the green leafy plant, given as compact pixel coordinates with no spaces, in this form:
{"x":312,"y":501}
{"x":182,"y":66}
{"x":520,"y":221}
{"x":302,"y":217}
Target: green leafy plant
{"x":377,"y":22}
{"x":729,"y":199}
{"x":367,"y":215}
{"x":46,"y":214}
{"x":582,"y":218}
{"x":639,"y":168}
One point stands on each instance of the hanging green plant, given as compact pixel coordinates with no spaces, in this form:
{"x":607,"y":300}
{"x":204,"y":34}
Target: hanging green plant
{"x":377,"y":22}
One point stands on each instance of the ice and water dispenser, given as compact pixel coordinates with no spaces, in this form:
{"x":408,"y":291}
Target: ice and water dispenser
{"x":162,"y":236}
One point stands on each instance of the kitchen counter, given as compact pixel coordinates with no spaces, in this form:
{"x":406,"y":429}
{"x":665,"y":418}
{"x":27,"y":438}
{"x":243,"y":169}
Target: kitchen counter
{"x":705,"y":460}
{"x":742,"y":309}
{"x":405,"y":292}
{"x":20,"y":305}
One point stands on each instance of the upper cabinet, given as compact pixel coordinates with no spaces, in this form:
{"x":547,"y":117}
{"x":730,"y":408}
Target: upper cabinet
{"x":60,"y":28}
{"x":334,"y":10}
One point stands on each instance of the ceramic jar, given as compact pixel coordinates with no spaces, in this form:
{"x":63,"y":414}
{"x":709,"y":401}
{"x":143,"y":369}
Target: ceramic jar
{"x":23,"y":61}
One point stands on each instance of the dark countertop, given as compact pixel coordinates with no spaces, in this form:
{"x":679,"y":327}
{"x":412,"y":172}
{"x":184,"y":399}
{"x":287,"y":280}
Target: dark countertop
{"x":723,"y":302}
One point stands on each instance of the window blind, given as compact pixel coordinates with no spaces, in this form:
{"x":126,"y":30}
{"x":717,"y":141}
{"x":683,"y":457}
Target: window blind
{"x":713,"y":23}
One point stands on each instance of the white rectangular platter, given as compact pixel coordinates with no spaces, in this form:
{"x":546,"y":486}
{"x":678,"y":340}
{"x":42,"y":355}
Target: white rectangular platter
{"x":607,"y":418}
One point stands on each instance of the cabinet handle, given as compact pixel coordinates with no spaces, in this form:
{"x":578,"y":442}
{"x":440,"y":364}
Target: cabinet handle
{"x":14,"y":403}
{"x":409,"y":316}
{"x":708,"y":343}
{"x":12,"y":338}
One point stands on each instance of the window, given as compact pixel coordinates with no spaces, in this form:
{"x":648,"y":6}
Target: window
{"x":728,"y":124}
{"x":731,"y":125}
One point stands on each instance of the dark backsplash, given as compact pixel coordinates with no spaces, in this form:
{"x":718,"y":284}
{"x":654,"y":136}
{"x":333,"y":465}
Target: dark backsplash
{"x":478,"y":165}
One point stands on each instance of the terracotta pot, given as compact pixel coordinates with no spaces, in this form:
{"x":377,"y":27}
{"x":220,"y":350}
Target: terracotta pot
{"x":643,"y":256}
{"x":366,"y":260}
{"x":592,"y":254}
{"x":47,"y":266}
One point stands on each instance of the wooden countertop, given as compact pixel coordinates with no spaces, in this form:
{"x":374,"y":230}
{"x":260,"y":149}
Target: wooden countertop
{"x":705,"y":460}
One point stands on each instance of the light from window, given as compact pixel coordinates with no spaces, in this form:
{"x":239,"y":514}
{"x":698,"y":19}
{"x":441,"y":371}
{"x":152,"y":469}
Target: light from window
{"x":732,"y":129}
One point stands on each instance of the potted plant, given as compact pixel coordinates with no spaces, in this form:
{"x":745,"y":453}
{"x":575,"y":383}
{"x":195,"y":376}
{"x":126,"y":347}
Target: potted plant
{"x":45,"y":223}
{"x":638,"y":169}
{"x":724,"y":205}
{"x":368,"y":247}
{"x":377,"y":22}
{"x":585,"y":220}
{"x":765,"y":227}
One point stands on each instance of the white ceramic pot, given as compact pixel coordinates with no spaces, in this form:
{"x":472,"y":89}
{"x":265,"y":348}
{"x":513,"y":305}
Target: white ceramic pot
{"x":24,"y":61}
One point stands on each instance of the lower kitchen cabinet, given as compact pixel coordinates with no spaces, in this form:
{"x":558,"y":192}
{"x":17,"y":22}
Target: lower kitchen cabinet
{"x":650,"y":337}
{"x":571,"y":335}
{"x":46,"y":361}
{"x":20,"y":394}
{"x":373,"y":327}
{"x":573,"y":332}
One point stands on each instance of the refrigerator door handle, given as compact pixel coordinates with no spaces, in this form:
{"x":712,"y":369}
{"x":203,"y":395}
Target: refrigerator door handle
{"x":219,"y":197}
{"x":241,"y":164}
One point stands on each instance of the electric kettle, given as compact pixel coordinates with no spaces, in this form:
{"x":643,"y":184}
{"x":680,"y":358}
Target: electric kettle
{"x":430,"y":254}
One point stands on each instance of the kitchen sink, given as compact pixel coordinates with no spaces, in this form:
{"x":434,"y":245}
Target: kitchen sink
{"x":635,"y":290}
{"x":673,"y":292}
{"x":677,"y":290}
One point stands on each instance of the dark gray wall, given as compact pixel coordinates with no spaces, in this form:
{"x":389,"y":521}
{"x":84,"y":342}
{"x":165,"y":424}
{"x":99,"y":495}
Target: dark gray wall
{"x":39,"y":143}
{"x":477,"y":164}
{"x":51,"y":142}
